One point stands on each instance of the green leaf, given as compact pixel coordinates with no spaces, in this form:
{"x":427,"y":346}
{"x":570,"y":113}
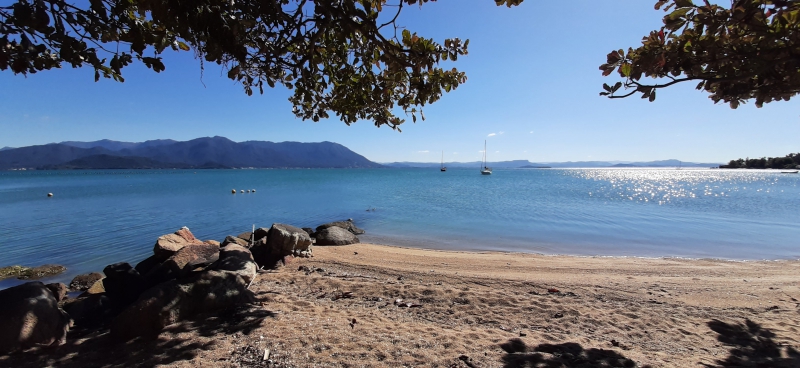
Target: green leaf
{"x":625,"y":69}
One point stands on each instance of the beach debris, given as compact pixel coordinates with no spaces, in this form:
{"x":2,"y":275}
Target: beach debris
{"x":266,"y":355}
{"x":353,"y":323}
{"x":553,"y":290}
{"x":615,"y":342}
{"x":343,"y":295}
{"x":774,"y":307}
{"x":402,"y":304}
{"x":355,"y":253}
{"x":558,"y":315}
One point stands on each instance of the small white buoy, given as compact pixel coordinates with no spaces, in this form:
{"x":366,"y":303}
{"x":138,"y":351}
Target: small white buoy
{"x":248,"y":191}
{"x":242,"y":190}
{"x":254,"y":190}
{"x":233,"y":191}
{"x":49,"y":194}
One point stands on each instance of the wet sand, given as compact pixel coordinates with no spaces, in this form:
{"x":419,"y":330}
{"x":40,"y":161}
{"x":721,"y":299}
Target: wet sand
{"x":379,"y":306}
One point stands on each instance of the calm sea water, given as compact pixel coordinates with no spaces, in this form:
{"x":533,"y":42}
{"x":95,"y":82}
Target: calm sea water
{"x":101,"y":217}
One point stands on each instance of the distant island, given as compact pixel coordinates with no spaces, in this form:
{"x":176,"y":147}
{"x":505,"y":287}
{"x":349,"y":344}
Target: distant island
{"x":534,"y":167}
{"x":200,"y":153}
{"x":790,"y":161}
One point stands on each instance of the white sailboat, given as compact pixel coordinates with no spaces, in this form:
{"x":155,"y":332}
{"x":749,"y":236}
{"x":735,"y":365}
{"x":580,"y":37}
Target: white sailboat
{"x":485,"y":170}
{"x":443,"y":169}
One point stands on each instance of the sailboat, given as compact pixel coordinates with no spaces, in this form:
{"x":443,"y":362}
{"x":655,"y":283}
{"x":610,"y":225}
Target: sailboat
{"x":486,"y":170}
{"x":443,"y":168}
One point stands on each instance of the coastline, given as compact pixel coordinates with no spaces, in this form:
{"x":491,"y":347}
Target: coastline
{"x":479,"y":309}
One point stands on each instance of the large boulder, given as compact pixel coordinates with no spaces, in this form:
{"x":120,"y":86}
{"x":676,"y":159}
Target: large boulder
{"x":235,"y":240}
{"x":169,"y":244}
{"x":309,"y":231}
{"x":347,"y":225}
{"x":177,"y":300}
{"x":335,"y":236}
{"x":238,"y":260}
{"x":85,"y":281}
{"x":260,"y":233}
{"x":148,"y":264}
{"x":59,"y":290}
{"x":282,"y":243}
{"x":90,"y":309}
{"x":183,"y":262}
{"x":123,"y":283}
{"x":30,"y":316}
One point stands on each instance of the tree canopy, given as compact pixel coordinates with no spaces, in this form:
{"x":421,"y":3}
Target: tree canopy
{"x":345,"y":57}
{"x":748,"y":51}
{"x":789,"y":161}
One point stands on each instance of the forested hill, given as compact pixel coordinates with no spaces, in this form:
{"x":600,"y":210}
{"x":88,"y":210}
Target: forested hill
{"x":213,"y":152}
{"x":789,"y":161}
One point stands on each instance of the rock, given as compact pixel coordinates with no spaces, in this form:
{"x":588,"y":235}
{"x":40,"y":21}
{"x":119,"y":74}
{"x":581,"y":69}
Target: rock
{"x":96,"y":288}
{"x":177,"y":300}
{"x":123,"y":283}
{"x":282,"y":241}
{"x":90,"y":309}
{"x":347,"y":225}
{"x":169,"y":244}
{"x":85,"y":281}
{"x":183,"y":262}
{"x":58,"y":289}
{"x":212,"y":242}
{"x":30,"y":316}
{"x":336,"y":236}
{"x":238,"y":260}
{"x":26,"y":273}
{"x":309,"y":231}
{"x":260,"y":233}
{"x":245,"y":236}
{"x":148,"y":264}
{"x":235,"y":240}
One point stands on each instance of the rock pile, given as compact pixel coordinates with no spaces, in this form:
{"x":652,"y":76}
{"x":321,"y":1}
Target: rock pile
{"x":184,"y":277}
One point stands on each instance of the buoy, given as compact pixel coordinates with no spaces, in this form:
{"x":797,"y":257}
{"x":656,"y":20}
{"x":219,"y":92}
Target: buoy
{"x":242,"y":190}
{"x":254,"y":190}
{"x":233,"y":191}
{"x":49,"y":194}
{"x":248,"y":191}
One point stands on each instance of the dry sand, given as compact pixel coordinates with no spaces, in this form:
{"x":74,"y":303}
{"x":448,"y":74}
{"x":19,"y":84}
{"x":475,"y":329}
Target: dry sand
{"x":467,"y":309}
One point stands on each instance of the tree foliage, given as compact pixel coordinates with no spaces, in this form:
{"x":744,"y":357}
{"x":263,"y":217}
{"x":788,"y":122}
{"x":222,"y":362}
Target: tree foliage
{"x":750,"y":50}
{"x":346,"y":57}
{"x":789,"y":161}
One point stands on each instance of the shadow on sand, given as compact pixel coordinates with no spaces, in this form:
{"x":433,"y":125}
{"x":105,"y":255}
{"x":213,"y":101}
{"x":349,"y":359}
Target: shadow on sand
{"x":752,"y":346}
{"x":94,"y":347}
{"x":518,"y":354}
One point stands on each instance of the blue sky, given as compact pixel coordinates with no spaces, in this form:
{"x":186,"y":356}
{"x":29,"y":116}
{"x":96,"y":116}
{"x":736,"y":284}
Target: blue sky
{"x":533,"y":82}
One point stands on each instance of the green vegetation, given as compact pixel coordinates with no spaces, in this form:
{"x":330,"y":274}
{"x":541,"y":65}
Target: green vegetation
{"x":25,"y":273}
{"x":747,"y":51}
{"x":349,"y":57}
{"x":789,"y":161}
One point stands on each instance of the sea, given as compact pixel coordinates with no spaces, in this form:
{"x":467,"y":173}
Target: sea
{"x":96,"y":218}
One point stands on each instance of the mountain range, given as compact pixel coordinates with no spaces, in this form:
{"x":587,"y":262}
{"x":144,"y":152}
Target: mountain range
{"x":208,"y":152}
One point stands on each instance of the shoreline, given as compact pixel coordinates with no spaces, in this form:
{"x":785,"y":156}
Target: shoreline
{"x":387,"y":306}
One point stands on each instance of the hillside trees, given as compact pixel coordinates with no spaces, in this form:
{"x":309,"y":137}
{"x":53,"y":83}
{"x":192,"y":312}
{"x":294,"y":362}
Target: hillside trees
{"x":349,"y":58}
{"x":747,"y":51}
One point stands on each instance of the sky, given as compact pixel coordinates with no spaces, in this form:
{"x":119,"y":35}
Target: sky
{"x":532,"y":94}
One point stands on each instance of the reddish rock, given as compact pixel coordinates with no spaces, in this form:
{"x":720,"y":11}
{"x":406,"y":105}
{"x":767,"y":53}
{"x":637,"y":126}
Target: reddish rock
{"x":169,"y":244}
{"x":183,"y":262}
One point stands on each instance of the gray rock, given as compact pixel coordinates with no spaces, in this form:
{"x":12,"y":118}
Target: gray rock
{"x":178,"y":300}
{"x":260,"y":233}
{"x":89,"y":309}
{"x":123,"y":283}
{"x":281,"y":244}
{"x":335,"y":236}
{"x":235,"y":240}
{"x":58,"y":289}
{"x":309,"y":231}
{"x":238,"y":260}
{"x":347,"y":225}
{"x":85,"y":281}
{"x":30,"y":316}
{"x":148,"y":264}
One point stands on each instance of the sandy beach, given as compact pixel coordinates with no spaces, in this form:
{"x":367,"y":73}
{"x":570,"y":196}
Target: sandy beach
{"x":379,"y":306}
